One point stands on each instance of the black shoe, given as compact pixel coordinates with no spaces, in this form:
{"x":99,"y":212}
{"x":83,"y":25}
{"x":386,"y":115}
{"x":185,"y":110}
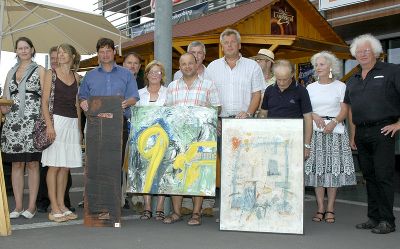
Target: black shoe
{"x":367,"y":225}
{"x":72,"y":209}
{"x":81,"y":204}
{"x":126,"y":205}
{"x":383,"y":228}
{"x":42,"y":209}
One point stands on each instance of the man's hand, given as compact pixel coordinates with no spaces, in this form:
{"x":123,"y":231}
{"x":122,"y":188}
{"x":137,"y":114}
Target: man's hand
{"x":125,"y":104}
{"x":242,"y":115}
{"x":84,"y":105}
{"x":391,"y":129}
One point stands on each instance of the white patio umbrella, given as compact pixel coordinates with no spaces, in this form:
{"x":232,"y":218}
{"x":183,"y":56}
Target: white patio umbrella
{"x":48,"y":25}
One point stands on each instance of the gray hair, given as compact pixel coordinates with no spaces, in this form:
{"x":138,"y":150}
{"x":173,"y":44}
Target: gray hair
{"x":366,"y":38}
{"x":196,"y":44}
{"x":227,"y":32}
{"x":283,"y":64}
{"x":331,"y":60}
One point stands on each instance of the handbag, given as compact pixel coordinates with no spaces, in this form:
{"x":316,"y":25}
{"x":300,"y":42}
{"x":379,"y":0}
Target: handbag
{"x":40,"y":139}
{"x":339,"y":128}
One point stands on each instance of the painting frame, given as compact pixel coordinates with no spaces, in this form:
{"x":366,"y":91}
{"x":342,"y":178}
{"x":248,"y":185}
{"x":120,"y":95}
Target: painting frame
{"x":185,"y":138}
{"x":262,"y":167}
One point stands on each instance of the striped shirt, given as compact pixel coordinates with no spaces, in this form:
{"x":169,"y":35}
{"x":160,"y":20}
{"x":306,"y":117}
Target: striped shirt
{"x":201,"y":93}
{"x":235,"y":85}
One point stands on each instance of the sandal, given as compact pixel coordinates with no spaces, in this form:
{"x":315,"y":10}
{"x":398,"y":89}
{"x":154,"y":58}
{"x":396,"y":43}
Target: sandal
{"x":69,"y":214}
{"x":57,"y":217}
{"x":160,"y":215}
{"x":173,"y":218}
{"x":146,"y":215}
{"x":195,"y":220}
{"x":316,"y":217}
{"x":330,"y":219}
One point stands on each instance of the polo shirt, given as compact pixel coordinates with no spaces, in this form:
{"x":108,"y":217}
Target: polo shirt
{"x":292,"y":102}
{"x":118,"y":82}
{"x":377,"y":97}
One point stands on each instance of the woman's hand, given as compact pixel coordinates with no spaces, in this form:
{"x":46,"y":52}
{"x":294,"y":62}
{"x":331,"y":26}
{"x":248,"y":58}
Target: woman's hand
{"x":51,"y":133}
{"x":306,"y":153}
{"x":330,"y":127}
{"x":5,"y":109}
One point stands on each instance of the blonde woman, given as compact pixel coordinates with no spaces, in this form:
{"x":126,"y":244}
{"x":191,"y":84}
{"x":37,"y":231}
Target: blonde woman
{"x":63,"y":128}
{"x":154,"y":93}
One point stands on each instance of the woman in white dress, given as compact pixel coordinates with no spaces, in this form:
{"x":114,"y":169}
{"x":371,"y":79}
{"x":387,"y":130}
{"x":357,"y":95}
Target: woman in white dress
{"x":330,"y":164}
{"x":154,"y":93}
{"x":65,"y":152}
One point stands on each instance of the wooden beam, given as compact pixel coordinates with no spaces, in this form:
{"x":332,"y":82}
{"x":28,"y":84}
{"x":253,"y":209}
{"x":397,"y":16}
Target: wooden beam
{"x":273,"y":47}
{"x":179,"y":49}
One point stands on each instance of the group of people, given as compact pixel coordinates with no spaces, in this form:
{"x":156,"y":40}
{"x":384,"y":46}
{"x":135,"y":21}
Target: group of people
{"x":52,"y":95}
{"x":241,"y":88}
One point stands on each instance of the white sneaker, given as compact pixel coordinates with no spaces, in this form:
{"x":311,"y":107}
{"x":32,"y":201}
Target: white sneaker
{"x":14,"y":214}
{"x":28,"y":214}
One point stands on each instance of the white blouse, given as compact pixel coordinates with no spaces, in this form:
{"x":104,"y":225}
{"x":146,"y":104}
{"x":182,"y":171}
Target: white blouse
{"x":145,"y":97}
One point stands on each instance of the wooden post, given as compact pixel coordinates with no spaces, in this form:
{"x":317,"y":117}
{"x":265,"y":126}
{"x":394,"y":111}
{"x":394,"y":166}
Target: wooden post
{"x":5,"y":225}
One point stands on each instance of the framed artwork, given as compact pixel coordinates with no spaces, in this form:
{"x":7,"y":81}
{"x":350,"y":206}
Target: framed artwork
{"x":262,"y":184}
{"x":172,"y":150}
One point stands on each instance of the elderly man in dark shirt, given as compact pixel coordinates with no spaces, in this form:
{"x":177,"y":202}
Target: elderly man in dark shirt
{"x":374,"y":96}
{"x":287,"y":99}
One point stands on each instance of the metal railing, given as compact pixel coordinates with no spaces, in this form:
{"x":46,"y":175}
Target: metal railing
{"x":128,"y":14}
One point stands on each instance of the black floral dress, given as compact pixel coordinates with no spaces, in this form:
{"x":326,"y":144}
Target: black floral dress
{"x":16,"y":137}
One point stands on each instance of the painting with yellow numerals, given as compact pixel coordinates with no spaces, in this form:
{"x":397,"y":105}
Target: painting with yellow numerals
{"x":172,"y":150}
{"x":262,"y":168}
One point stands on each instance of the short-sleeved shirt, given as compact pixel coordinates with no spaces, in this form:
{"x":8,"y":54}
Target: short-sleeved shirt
{"x":201,"y":93}
{"x":235,"y":85}
{"x":118,"y":82}
{"x":326,"y":98}
{"x":145,"y":97}
{"x":377,"y":97}
{"x":292,"y":102}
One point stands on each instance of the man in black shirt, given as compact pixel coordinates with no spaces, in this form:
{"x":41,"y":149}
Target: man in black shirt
{"x":287,"y":99}
{"x":374,"y":96}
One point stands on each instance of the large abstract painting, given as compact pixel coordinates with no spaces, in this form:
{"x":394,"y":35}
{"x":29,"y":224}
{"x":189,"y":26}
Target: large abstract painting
{"x":172,"y":150}
{"x":262,"y":175}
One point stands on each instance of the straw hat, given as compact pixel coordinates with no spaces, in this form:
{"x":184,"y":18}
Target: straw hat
{"x":264,"y":54}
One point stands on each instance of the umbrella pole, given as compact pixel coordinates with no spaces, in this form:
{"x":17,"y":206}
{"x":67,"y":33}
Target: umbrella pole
{"x":1,"y":24}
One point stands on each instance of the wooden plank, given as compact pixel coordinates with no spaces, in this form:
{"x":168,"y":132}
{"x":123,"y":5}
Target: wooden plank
{"x":5,"y":225}
{"x":103,"y":162}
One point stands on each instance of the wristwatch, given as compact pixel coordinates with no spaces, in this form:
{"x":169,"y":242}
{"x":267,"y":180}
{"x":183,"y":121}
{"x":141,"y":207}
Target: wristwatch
{"x":307,"y":146}
{"x":249,"y":114}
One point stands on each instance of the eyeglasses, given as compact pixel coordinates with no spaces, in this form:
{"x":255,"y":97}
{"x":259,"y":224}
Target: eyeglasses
{"x":364,"y":52}
{"x":155,"y":73}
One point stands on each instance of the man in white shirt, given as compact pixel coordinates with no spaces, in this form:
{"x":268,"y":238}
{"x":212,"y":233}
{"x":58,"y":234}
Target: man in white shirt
{"x":239,"y":80}
{"x":199,"y":51}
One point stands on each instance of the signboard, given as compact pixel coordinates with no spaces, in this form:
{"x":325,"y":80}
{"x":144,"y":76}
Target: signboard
{"x":306,"y":74}
{"x":180,"y":16}
{"x":283,"y":19}
{"x":331,"y":4}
